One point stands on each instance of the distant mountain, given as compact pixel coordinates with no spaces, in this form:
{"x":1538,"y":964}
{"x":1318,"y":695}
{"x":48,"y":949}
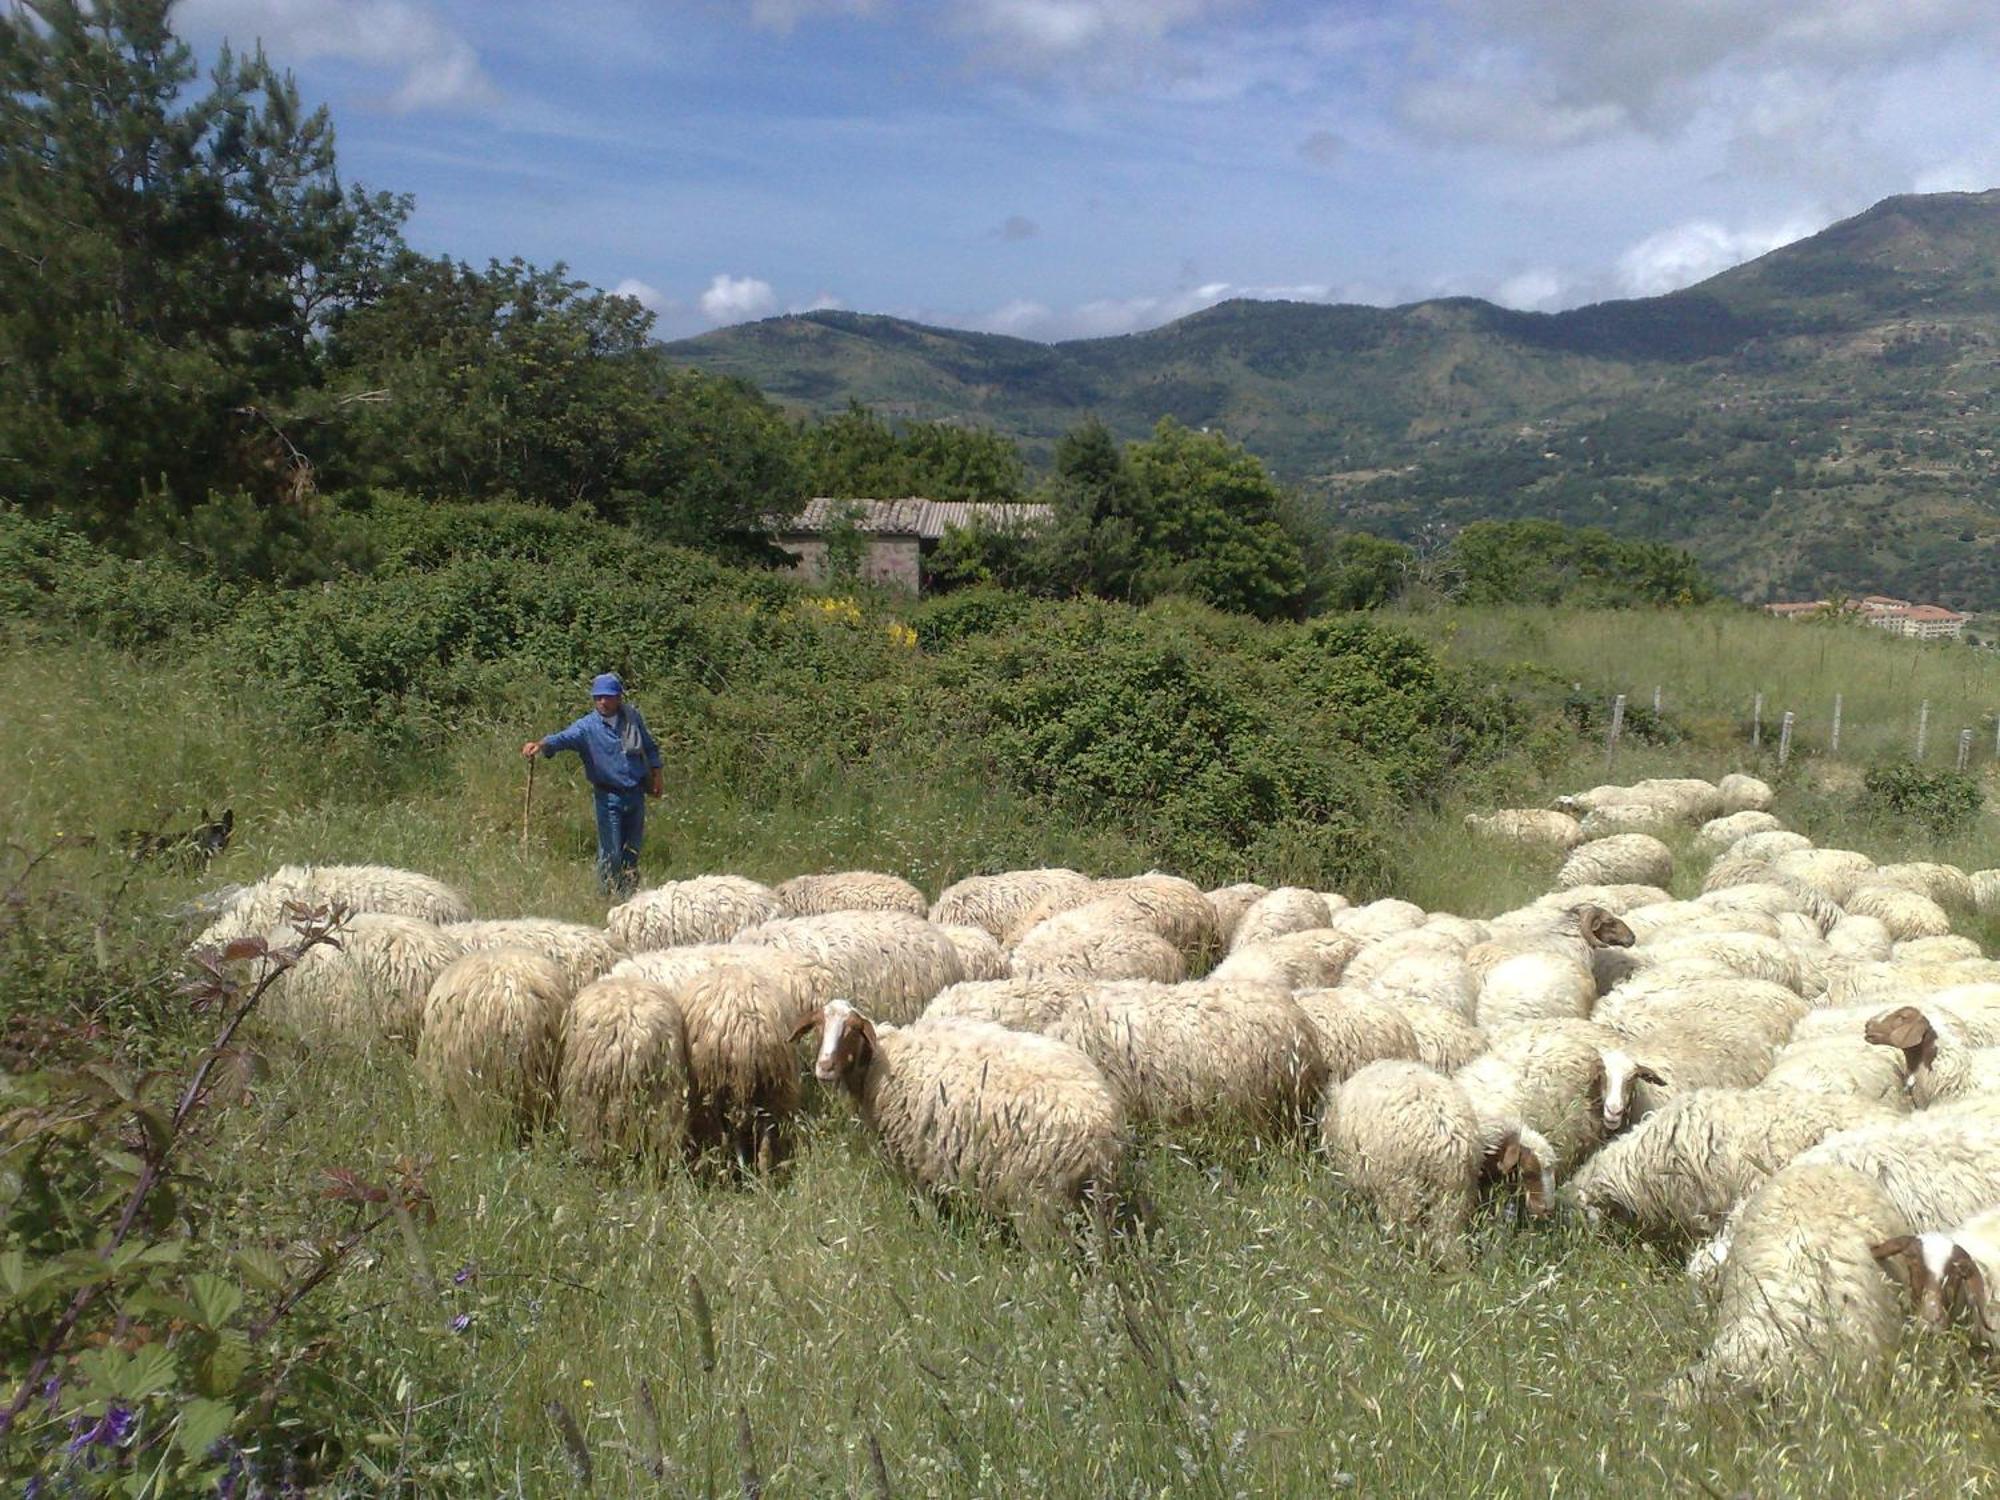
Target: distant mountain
{"x":1820,"y":418}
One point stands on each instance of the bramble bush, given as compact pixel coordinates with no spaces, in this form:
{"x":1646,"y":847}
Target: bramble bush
{"x":1944,"y":802}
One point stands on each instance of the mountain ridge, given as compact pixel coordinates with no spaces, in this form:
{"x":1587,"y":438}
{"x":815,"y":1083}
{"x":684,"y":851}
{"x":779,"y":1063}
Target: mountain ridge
{"x":1816,"y":417}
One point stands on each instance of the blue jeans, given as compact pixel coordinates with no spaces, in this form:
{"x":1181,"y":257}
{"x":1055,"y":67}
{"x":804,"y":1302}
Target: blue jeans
{"x":621,"y":828}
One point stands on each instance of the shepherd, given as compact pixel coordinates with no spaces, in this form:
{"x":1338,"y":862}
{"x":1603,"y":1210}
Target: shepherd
{"x":621,"y":761}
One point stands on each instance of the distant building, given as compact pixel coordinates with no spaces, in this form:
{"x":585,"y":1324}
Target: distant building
{"x":1924,"y":622}
{"x":896,"y":534}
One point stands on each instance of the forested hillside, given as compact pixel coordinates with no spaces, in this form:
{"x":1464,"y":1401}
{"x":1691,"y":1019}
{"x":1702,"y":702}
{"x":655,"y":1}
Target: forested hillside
{"x":1820,"y":418}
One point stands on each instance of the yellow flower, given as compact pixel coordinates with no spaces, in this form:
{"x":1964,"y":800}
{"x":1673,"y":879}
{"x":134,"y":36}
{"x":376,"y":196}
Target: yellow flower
{"x":589,"y":1384}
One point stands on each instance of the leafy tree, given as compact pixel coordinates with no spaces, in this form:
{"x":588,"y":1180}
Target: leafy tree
{"x":1211,"y":526}
{"x":166,"y":253}
{"x":1544,"y":562}
{"x":1359,"y":570}
{"x":859,"y":456}
{"x":720,"y":461}
{"x":1096,"y":541}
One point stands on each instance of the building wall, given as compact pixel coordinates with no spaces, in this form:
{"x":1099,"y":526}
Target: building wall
{"x":892,"y":561}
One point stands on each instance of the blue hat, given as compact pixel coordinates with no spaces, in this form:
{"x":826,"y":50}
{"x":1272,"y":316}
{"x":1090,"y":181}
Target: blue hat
{"x":606,"y":682}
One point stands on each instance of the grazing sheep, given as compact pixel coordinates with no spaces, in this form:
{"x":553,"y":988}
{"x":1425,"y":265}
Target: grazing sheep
{"x":1938,"y":1169}
{"x":1445,"y":1040}
{"x":979,"y":952}
{"x":1985,"y":891}
{"x":1745,"y":953}
{"x":1673,"y":919}
{"x":1945,"y":884}
{"x":1801,"y":1295}
{"x":1676,"y":1174}
{"x":1735,"y":868}
{"x":706,"y":909}
{"x":1377,"y":919}
{"x":1535,"y":986}
{"x":1174,"y":908}
{"x":1622,"y":859}
{"x":492,"y":1031}
{"x":1952,"y":1275}
{"x":371,"y":985}
{"x":743,"y":1077}
{"x":1629,"y":817}
{"x":1460,"y":933}
{"x":622,"y":1088}
{"x":1297,"y":961}
{"x":1841,"y":1065}
{"x":1024,"y":1004}
{"x":1834,"y":873}
{"x":1617,"y":898}
{"x":1188,"y":1052}
{"x":1356,"y":1029}
{"x":1534,"y":827}
{"x":849,"y":890}
{"x":259,"y":909}
{"x":673,"y":967}
{"x":1740,"y":793}
{"x":1725,"y":832}
{"x":1109,"y":939}
{"x":1560,"y":1084}
{"x":1736,"y":1007}
{"x":1937,"y":1062}
{"x":1230,"y":902}
{"x":999,"y":903}
{"x":1441,"y":979}
{"x":1906,"y":913}
{"x":1022,"y":1126}
{"x":1767,"y":845}
{"x":1892,"y":983}
{"x":889,"y":961}
{"x":1288,"y":909}
{"x":1406,"y":1139}
{"x":1949,"y":948}
{"x":582,"y":953}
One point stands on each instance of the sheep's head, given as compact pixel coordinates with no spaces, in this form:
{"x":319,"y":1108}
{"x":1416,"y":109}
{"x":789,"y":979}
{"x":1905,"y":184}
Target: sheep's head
{"x":846,"y":1042}
{"x":1617,"y":1072}
{"x":1527,"y":1157}
{"x":1944,"y":1281}
{"x":1910,"y":1031}
{"x":1600,"y":929}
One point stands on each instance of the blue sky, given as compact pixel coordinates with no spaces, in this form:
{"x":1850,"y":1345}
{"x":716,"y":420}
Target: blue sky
{"x":1062,"y":168}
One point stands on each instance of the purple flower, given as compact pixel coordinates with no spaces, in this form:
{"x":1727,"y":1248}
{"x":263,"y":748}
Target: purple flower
{"x":52,"y":1392}
{"x":110,"y":1430}
{"x":462,"y":1322}
{"x":462,"y":1275}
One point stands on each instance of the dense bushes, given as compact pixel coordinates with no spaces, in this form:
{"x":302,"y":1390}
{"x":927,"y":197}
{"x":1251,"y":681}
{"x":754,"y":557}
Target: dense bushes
{"x":1219,"y":744}
{"x":1942,"y":802}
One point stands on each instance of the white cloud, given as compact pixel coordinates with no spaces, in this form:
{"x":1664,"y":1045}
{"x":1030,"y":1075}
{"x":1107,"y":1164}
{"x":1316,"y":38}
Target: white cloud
{"x":1694,"y":251}
{"x":436,"y":66}
{"x":737,"y":299}
{"x":1538,"y":290}
{"x":1106,"y":317}
{"x":1066,"y":28}
{"x":645,"y":294}
{"x":821,"y":302}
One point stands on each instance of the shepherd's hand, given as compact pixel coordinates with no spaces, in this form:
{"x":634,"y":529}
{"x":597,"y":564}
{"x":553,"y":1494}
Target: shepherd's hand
{"x":531,"y":749}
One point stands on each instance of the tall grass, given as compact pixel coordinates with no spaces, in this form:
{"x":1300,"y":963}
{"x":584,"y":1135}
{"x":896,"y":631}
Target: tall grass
{"x":823,"y":1332}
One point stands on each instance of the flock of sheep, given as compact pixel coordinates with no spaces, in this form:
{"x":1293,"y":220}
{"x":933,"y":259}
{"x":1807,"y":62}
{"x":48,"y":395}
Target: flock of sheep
{"x":1797,"y":1071}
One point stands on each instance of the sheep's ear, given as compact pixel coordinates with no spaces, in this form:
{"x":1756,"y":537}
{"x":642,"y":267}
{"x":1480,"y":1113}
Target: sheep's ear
{"x":1905,"y":1028}
{"x":864,"y":1026}
{"x":811,"y":1023}
{"x":1963,"y":1283}
{"x":1506,"y":1156}
{"x":1901,"y":1255}
{"x":1649,"y":1075}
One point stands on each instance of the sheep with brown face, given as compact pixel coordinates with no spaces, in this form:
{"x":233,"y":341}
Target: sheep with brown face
{"x":1020,"y":1125}
{"x":1951,"y":1275}
{"x":1937,"y":1062}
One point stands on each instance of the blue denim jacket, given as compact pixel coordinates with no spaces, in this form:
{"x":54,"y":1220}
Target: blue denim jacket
{"x":601,"y":743}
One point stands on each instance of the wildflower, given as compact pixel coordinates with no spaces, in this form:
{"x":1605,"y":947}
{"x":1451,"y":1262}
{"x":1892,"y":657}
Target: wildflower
{"x":462,"y":1275}
{"x":589,"y":1384}
{"x":462,"y":1322}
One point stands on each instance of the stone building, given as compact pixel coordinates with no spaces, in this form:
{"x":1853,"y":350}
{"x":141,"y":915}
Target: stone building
{"x":896,"y":535}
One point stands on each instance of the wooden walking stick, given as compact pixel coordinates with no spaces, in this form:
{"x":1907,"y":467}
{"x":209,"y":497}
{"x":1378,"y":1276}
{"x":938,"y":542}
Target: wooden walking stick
{"x":528,"y":800}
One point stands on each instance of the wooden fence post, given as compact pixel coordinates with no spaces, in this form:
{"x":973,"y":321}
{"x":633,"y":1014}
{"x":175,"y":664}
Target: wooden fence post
{"x":1757,"y":722}
{"x":1785,"y":737}
{"x":1964,"y":748}
{"x":1923,"y":726}
{"x":1834,"y":746}
{"x":1617,"y":725}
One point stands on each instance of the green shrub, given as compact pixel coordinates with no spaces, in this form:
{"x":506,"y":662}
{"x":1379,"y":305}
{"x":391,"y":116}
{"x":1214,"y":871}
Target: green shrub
{"x":946,"y":620}
{"x":1945,"y":802}
{"x":53,"y":579}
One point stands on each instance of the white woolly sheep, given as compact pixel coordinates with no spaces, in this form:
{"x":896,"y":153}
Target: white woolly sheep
{"x":1937,"y":1062}
{"x":1188,"y":1052}
{"x":1616,"y":898}
{"x":1672,"y":919}
{"x":1023,"y":1126}
{"x":888,"y":961}
{"x":492,"y":1032}
{"x":1801,"y":1295}
{"x":582,"y":953}
{"x":1288,"y":909}
{"x":1947,"y":885}
{"x":1297,"y":961}
{"x":1557,"y":1082}
{"x":1534,"y":986}
{"x":1834,"y":873}
{"x":1734,"y":1006}
{"x":1423,"y":942}
{"x":999,"y":903}
{"x":1108,"y":939}
{"x":1356,"y":1029}
{"x":1948,"y":948}
{"x":1446,"y":1041}
{"x":1906,"y":913}
{"x":1767,"y":845}
{"x":1459,"y":932}
{"x":1622,"y":859}
{"x":1746,"y":953}
{"x":1230,"y":902}
{"x":674,"y":967}
{"x":1023,"y":1004}
{"x":1377,"y":919}
{"x":1677,"y":1173}
{"x":372,"y":985}
{"x":258,"y":909}
{"x":1740,"y":793}
{"x":743,"y":1075}
{"x":1952,"y":1275}
{"x":1534,"y":827}
{"x":850,"y":890}
{"x":622,"y":1087}
{"x":706,"y":909}
{"x":1938,"y":1168}
{"x":1629,"y":817}
{"x":1444,"y":980}
{"x":1892,"y":983}
{"x":1174,"y":908}
{"x":1406,"y":1139}
{"x":1841,"y":1065}
{"x":1726,"y":832}
{"x":979,"y":952}
{"x":1985,"y":891}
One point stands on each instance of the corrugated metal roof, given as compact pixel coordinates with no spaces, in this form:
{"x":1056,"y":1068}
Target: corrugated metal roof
{"x":927,"y":519}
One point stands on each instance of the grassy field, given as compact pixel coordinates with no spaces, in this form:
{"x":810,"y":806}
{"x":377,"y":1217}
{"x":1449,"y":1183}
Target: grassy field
{"x":821,"y":1333}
